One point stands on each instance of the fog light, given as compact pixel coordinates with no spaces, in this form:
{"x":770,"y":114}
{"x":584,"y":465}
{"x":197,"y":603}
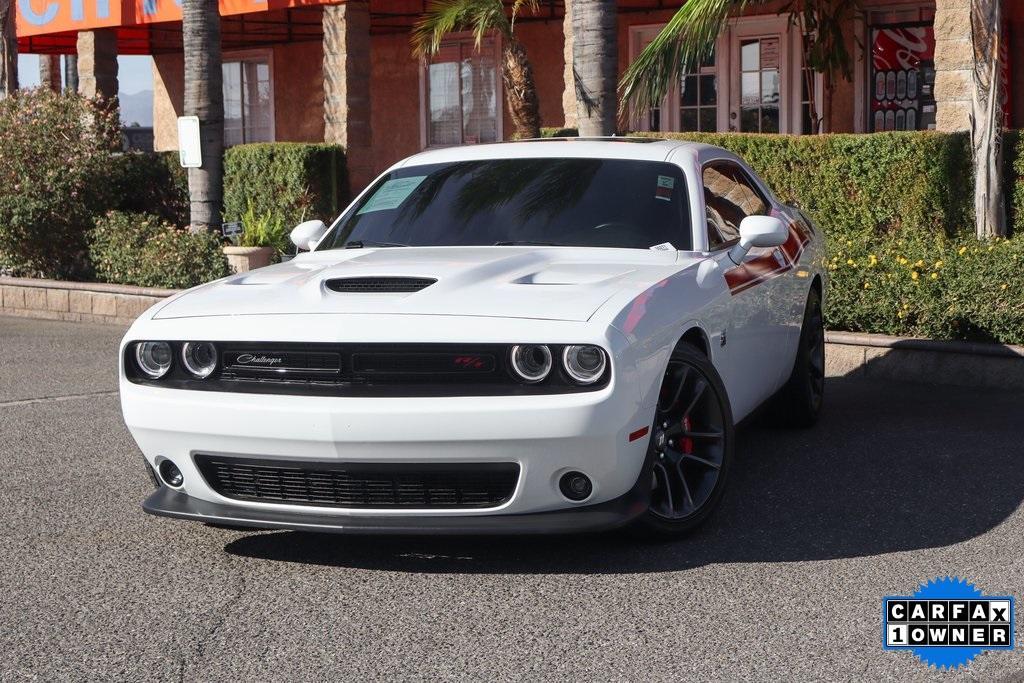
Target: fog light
{"x":575,"y":486}
{"x":171,"y":475}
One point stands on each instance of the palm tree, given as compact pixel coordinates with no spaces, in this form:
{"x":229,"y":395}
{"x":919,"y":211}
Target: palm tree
{"x":690,"y":35}
{"x":8,"y":49}
{"x":204,"y":97}
{"x":986,"y":118}
{"x":595,"y":57}
{"x":481,"y":17}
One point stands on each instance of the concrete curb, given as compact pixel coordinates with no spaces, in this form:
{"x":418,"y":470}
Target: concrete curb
{"x":92,"y":302}
{"x":929,"y":361}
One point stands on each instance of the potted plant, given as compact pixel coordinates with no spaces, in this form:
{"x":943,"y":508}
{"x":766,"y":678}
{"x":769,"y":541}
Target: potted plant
{"x":263,"y":241}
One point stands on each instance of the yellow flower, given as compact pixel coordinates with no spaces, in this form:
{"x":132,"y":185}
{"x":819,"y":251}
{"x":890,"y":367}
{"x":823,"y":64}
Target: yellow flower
{"x":913,"y":275}
{"x":920,"y":263}
{"x":902,"y":260}
{"x":905,"y":306}
{"x":1003,"y":286}
{"x":935,"y":276}
{"x":938,"y":264}
{"x":867,"y":286}
{"x":963,"y":250}
{"x":850,"y":262}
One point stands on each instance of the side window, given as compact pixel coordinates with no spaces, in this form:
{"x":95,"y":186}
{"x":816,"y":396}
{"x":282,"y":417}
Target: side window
{"x":729,"y":197}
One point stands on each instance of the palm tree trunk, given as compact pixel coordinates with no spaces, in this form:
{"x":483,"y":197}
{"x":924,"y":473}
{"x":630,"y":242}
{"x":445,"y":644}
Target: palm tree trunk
{"x":596,"y":62}
{"x":520,"y":89}
{"x":986,"y":119}
{"x":8,"y":49}
{"x":204,"y":97}
{"x":71,"y":73}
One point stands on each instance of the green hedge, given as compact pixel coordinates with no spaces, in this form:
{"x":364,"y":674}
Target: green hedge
{"x":289,"y":182}
{"x":897,"y":209}
{"x":142,"y":249}
{"x":1013,"y":175}
{"x":863,"y":184}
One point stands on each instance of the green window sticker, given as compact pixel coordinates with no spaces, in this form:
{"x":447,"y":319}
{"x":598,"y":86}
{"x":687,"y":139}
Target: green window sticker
{"x":391,"y":194}
{"x":664,"y":189}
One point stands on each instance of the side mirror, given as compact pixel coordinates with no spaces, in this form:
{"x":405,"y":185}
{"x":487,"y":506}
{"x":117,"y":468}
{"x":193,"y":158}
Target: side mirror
{"x":306,"y":235}
{"x":758,"y":231}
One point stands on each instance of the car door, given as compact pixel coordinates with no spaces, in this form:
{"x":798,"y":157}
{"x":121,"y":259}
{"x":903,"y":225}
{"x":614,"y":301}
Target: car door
{"x":753,"y":312}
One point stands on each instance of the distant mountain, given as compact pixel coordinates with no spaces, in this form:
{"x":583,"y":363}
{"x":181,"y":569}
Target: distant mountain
{"x":137,"y":108}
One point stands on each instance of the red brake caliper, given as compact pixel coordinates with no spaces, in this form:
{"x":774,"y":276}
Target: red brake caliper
{"x":686,"y":443}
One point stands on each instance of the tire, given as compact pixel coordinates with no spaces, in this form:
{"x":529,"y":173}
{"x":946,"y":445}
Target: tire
{"x":798,"y":403}
{"x":688,"y":460}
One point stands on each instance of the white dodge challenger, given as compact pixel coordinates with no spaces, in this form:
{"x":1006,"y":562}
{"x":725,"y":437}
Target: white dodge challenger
{"x":530,"y":337}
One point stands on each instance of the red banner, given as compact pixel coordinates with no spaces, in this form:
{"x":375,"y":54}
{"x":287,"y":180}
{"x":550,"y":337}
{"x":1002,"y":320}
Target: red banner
{"x":41,"y":17}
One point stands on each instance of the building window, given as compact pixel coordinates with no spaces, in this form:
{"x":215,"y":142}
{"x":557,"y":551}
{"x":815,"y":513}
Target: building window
{"x":248,"y":99}
{"x":759,"y":85}
{"x":462,"y":94}
{"x":698,"y":98}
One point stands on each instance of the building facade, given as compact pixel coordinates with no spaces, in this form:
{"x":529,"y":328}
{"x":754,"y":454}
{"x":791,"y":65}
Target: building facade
{"x":307,"y":70}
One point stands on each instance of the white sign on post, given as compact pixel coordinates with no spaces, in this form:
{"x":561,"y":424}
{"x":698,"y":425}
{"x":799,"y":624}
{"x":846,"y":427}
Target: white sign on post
{"x":189,"y":150}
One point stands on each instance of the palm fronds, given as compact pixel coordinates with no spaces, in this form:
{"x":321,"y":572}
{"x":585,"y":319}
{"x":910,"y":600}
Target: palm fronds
{"x":446,"y":16}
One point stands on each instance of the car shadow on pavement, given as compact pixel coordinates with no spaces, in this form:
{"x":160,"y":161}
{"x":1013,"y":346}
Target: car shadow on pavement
{"x":889,"y":468}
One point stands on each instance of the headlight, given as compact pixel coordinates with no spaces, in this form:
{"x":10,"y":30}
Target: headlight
{"x":199,"y":358}
{"x":585,"y":364}
{"x":153,"y":358}
{"x":532,"y":362}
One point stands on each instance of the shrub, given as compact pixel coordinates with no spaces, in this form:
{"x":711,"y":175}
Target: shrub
{"x":290,"y":182}
{"x":559,"y":132}
{"x":147,"y":182}
{"x":55,"y":152}
{"x":860,"y":185}
{"x":923,"y":285}
{"x":141,"y":249}
{"x":1013,"y":175}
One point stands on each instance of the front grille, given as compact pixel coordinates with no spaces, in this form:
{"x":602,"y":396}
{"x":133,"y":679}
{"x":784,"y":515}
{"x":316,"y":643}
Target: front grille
{"x":374,"y":285}
{"x":361,"y":485}
{"x":361,"y":369}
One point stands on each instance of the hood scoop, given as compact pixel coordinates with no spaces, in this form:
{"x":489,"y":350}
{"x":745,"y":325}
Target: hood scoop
{"x":378,"y":285}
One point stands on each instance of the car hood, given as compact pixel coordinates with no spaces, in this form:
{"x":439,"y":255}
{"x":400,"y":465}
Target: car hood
{"x":550,"y":283}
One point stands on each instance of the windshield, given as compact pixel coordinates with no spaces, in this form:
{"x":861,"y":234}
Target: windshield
{"x":560,"y":202}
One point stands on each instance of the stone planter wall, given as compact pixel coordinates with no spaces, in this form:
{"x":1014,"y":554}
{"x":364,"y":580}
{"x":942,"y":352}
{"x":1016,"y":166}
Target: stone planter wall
{"x":76,"y":301}
{"x":244,"y":259}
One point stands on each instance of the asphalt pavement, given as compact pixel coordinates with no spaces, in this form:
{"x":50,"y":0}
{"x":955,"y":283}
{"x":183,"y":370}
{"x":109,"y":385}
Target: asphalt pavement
{"x":897,"y":485}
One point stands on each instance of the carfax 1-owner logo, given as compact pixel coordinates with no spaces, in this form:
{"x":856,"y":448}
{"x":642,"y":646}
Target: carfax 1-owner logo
{"x":948,"y":622}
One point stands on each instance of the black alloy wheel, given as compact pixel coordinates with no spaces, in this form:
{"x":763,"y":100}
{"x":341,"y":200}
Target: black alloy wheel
{"x":690,"y":447}
{"x":799,"y":402}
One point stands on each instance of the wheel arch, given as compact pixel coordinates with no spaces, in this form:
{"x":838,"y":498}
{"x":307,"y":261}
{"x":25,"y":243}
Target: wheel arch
{"x":696,"y":337}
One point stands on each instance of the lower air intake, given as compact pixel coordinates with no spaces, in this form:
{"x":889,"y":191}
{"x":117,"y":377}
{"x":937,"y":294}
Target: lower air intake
{"x":361,"y":485}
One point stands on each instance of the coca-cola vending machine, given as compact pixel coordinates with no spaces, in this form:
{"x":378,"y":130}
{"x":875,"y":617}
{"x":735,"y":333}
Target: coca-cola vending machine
{"x":902,"y":77}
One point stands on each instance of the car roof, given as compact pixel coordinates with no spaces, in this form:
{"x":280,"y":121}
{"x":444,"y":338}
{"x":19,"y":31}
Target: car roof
{"x":638,"y":148}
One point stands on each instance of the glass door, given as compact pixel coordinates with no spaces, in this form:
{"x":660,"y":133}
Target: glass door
{"x":760,"y":84}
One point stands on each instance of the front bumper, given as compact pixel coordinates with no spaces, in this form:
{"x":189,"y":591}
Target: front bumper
{"x":166,"y":502}
{"x":546,"y":435}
